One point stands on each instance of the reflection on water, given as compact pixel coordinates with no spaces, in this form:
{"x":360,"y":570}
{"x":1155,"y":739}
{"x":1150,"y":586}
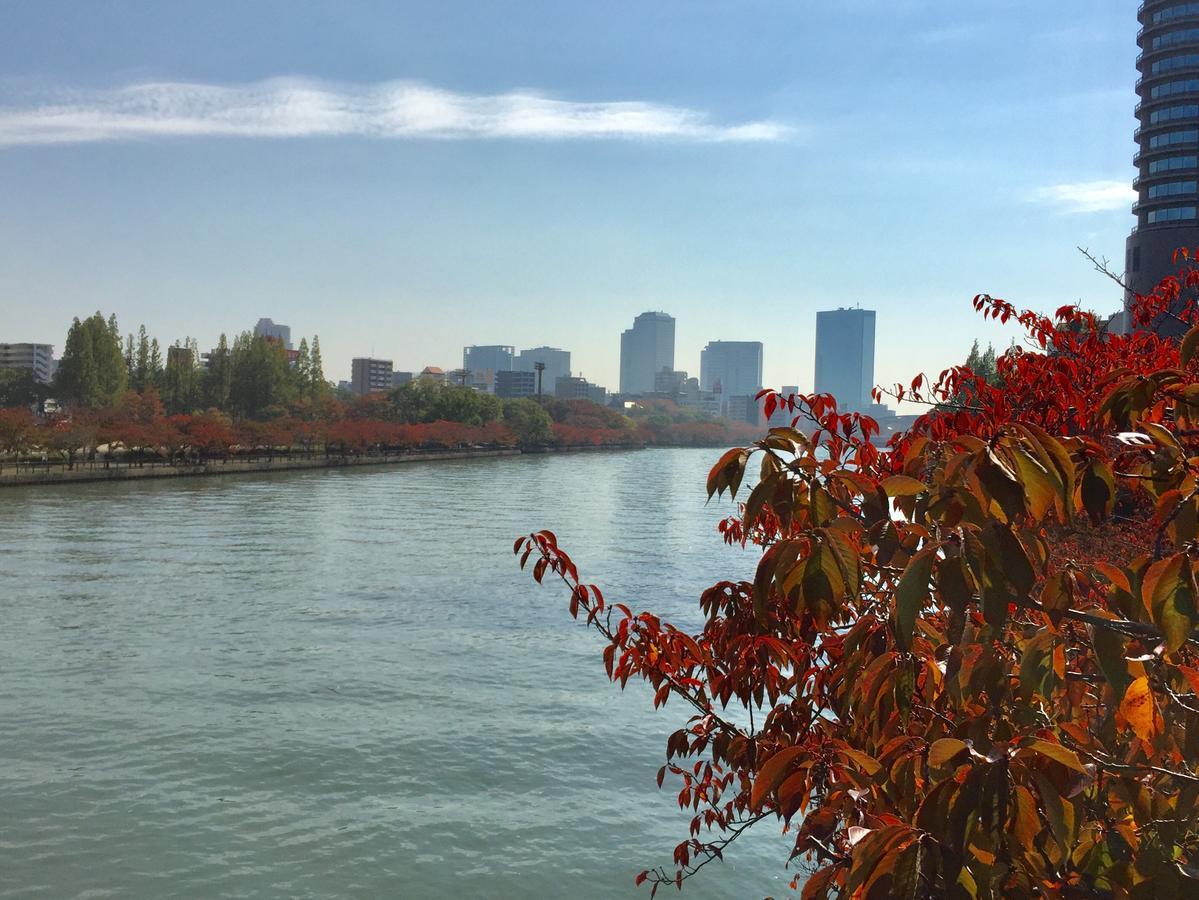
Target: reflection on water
{"x":339,"y":684}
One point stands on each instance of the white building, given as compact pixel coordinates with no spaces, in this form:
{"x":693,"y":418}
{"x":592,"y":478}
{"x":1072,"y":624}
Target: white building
{"x":39,"y":358}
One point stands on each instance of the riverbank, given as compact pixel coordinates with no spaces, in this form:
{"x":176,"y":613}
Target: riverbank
{"x":91,"y":472}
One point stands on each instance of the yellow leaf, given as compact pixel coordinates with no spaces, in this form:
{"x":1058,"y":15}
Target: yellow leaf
{"x":903,"y":486}
{"x":1138,"y":709}
{"x":944,"y":750}
{"x":1058,"y":753}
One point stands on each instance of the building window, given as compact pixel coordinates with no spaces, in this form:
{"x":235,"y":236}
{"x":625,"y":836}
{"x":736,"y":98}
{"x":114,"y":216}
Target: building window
{"x":1173,"y":189}
{"x":1172,"y":88}
{"x":1136,"y":258}
{"x":1172,"y":138}
{"x":1174,"y":38}
{"x":1170,"y":63}
{"x":1173,"y":164}
{"x":1190,"y":111}
{"x":1171,"y":214}
{"x":1180,"y":11}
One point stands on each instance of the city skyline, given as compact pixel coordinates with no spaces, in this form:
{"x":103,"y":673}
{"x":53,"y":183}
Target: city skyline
{"x":778,"y":183}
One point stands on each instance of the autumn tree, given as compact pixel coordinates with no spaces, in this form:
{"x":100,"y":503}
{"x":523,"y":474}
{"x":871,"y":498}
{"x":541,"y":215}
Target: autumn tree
{"x":968,"y":662}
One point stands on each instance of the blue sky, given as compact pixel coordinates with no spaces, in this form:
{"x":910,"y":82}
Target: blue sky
{"x":403,"y":178}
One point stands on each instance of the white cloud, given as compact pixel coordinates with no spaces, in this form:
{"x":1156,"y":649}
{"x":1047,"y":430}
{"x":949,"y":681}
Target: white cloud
{"x":1086,"y":196}
{"x":296,"y":108}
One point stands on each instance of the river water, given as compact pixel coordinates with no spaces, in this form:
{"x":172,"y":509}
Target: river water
{"x":338,"y":684}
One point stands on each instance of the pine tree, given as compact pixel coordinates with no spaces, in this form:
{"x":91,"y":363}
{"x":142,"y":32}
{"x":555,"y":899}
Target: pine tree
{"x":303,"y":371}
{"x":141,"y":365}
{"x":317,"y":387}
{"x":156,"y":367}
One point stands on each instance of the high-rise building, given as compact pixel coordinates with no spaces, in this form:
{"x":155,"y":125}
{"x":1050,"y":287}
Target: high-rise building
{"x":368,"y":376}
{"x":845,"y":357}
{"x":270,"y":329}
{"x":556,"y":362}
{"x":512,"y":385}
{"x":38,"y":358}
{"x":734,"y":370}
{"x":645,"y":350}
{"x":482,"y":362}
{"x":1167,"y":159}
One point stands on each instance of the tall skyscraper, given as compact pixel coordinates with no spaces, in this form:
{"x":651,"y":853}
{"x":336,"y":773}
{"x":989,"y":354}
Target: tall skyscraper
{"x":557,"y":365}
{"x":1167,"y":159}
{"x":845,"y":356}
{"x":734,"y":370}
{"x":271,"y":329}
{"x":645,"y":350}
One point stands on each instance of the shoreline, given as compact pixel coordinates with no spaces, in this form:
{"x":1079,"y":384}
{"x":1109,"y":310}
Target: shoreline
{"x":95,"y":473}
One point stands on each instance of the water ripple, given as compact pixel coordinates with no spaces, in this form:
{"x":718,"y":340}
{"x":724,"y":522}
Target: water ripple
{"x":338,"y":684}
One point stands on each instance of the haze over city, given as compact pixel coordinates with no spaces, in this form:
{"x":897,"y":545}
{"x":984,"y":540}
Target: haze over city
{"x":417,"y":177}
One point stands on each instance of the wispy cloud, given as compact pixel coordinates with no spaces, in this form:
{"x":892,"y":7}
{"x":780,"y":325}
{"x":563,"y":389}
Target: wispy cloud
{"x":1086,"y":196}
{"x":298,"y":108}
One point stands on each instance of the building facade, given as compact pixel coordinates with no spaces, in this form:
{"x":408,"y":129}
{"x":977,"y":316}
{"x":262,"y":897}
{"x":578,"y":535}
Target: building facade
{"x":38,"y":358}
{"x":482,"y":362}
{"x":556,"y":362}
{"x":572,"y":388}
{"x":670,"y":382}
{"x":1167,"y":158}
{"x":645,"y":350}
{"x":268,"y":328}
{"x":369,"y":376}
{"x":513,"y":384}
{"x":732,"y":369}
{"x":845,"y":357}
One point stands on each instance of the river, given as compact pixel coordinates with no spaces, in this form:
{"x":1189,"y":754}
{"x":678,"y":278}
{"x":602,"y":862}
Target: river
{"x":338,"y":684}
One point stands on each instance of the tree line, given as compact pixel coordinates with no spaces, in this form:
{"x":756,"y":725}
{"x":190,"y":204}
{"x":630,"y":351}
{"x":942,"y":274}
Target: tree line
{"x":253,"y":378}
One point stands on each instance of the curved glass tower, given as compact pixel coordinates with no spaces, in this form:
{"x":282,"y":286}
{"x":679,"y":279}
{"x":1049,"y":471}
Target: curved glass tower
{"x":1167,"y":159}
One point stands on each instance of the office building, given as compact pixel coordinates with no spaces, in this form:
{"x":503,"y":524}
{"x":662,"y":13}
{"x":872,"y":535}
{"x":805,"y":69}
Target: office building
{"x":670,"y":382}
{"x":512,"y":385}
{"x":556,"y":362}
{"x":269,"y":329}
{"x":732,"y":369}
{"x":399,"y":379}
{"x":645,"y":350}
{"x":369,"y":376}
{"x":482,"y":362}
{"x":1167,"y":158}
{"x":845,"y":357}
{"x":572,"y":388}
{"x":37,"y":358}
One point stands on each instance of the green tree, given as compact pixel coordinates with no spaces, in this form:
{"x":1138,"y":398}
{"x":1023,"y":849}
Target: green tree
{"x":92,"y":371}
{"x":181,"y":387}
{"x":302,"y":371}
{"x":261,"y":379}
{"x":154,"y":375}
{"x":20,"y":387}
{"x":529,"y":420}
{"x":218,"y":379}
{"x":318,"y":388}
